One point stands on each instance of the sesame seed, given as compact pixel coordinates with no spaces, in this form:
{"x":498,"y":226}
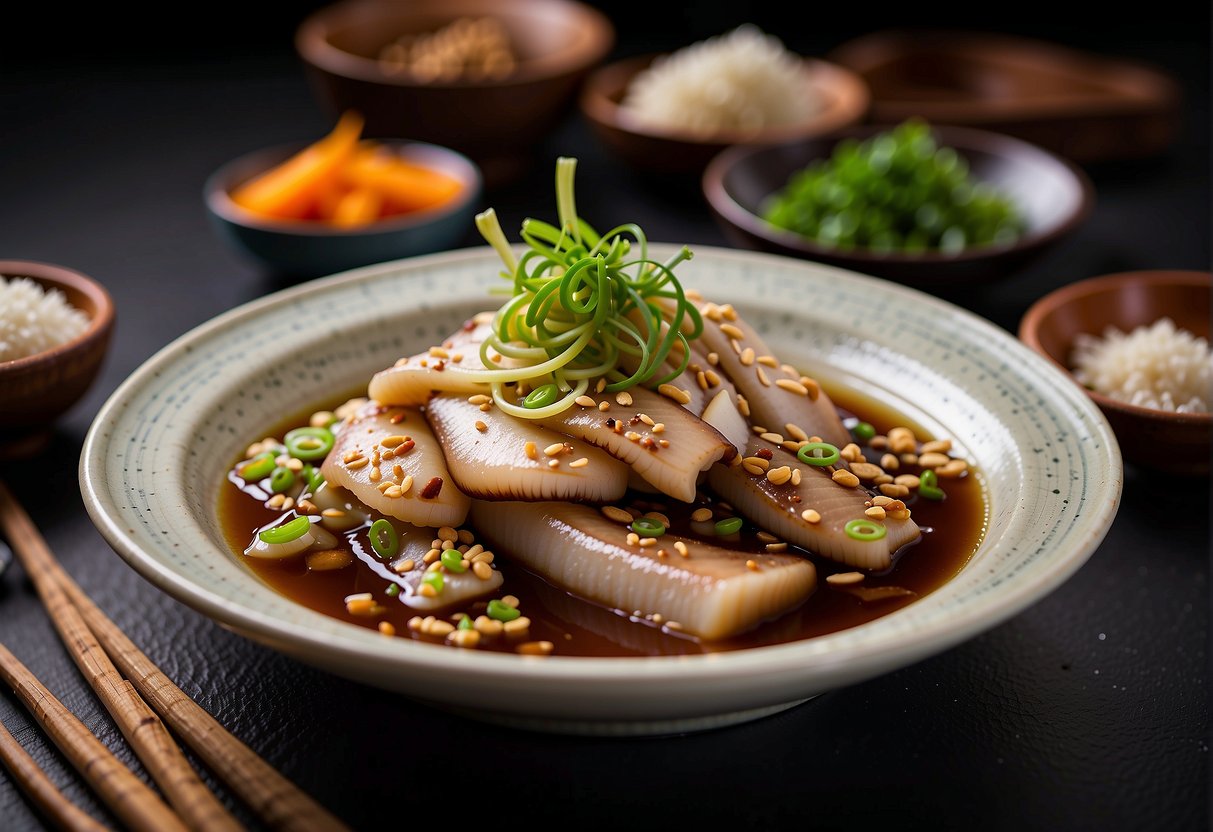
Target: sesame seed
{"x":646,"y":542}
{"x":747,"y":357}
{"x":810,"y":515}
{"x":762,"y":377}
{"x":393,"y":441}
{"x":701,"y":514}
{"x":486,"y":407}
{"x":757,"y":461}
{"x":487,"y":626}
{"x":777,"y":547}
{"x":791,"y":386}
{"x":772,"y":437}
{"x":681,"y":548}
{"x":632,"y":436}
{"x":796,"y":476}
{"x":845,"y":478}
{"x":752,"y":565}
{"x":752,"y":469}
{"x":812,"y":386}
{"x":387,"y":628}
{"x":714,"y":358}
{"x":463,"y":638}
{"x":766,"y":537}
{"x":400,"y":567}
{"x":633,"y":538}
{"x":672,"y":392}
{"x":712,"y":377}
{"x":586,"y":401}
{"x":531,"y":450}
{"x":554,"y":448}
{"x":624,"y":398}
{"x":553,"y":463}
{"x":359,"y":462}
{"x":519,"y":625}
{"x":510,"y":601}
{"x":616,"y":514}
{"x":796,"y":432}
{"x":393,"y":492}
{"x":844,"y":578}
{"x":604,"y":406}
{"x":743,"y":405}
{"x":439,"y":352}
{"x":332,"y":512}
{"x":536,"y":648}
{"x":769,"y":361}
{"x":732,"y":331}
{"x":729,"y":313}
{"x":432,"y":555}
{"x":579,"y":463}
{"x":481,"y":426}
{"x":601,"y":385}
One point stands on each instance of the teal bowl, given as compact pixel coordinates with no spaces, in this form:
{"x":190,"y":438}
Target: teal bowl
{"x":304,"y":249}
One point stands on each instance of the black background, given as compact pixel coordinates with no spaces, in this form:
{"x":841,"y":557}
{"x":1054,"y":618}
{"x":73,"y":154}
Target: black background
{"x":1088,"y":711}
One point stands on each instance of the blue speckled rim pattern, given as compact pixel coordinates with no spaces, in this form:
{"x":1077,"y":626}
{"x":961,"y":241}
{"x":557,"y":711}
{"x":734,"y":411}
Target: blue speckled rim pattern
{"x":156,"y":456}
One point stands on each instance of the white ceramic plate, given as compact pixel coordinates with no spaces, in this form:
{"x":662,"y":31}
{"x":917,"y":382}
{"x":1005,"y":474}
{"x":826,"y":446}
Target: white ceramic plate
{"x":155,"y":459}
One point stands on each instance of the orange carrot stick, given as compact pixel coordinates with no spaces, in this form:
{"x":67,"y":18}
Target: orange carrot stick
{"x":406,"y":186}
{"x":291,"y":189}
{"x":358,"y":207}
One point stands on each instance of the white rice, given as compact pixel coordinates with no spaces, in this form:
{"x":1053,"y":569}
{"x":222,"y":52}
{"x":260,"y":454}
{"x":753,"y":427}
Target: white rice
{"x":741,"y":80}
{"x":1159,"y":366}
{"x":33,"y":320}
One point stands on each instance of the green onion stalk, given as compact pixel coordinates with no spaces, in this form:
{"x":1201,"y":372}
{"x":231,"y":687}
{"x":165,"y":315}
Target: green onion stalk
{"x":585,"y":306}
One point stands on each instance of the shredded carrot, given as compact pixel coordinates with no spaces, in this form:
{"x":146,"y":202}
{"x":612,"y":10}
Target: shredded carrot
{"x":345,"y":180}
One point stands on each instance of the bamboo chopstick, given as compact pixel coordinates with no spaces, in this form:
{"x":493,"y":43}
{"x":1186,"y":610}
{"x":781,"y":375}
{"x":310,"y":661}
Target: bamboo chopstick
{"x":275,"y":799}
{"x":33,"y":780}
{"x":130,"y":800}
{"x":197,"y":805}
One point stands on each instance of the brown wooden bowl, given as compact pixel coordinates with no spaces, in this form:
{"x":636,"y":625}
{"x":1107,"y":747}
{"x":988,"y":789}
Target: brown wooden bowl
{"x":843,"y":94}
{"x":1084,"y":106}
{"x":1168,"y":441}
{"x":38,"y":389}
{"x":496,"y":123}
{"x":1054,"y":196}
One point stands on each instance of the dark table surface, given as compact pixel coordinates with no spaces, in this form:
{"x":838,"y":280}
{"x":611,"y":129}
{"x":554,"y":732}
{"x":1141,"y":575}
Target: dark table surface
{"x":1087,"y":711}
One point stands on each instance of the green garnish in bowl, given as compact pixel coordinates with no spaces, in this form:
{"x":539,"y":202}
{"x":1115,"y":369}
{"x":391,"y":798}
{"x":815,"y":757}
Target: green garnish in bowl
{"x":586,"y":308}
{"x":898,"y":191}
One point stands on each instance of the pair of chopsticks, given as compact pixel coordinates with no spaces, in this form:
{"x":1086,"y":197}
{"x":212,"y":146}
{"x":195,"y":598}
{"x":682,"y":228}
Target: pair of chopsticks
{"x":146,"y":705}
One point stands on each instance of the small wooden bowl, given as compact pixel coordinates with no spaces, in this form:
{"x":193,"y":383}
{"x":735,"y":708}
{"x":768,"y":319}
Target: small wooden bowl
{"x":843,"y":94}
{"x":1177,"y":443}
{"x":38,"y":389}
{"x":1085,"y":106}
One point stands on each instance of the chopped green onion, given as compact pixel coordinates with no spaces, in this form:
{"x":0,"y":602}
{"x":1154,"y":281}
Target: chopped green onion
{"x":864,"y":530}
{"x":502,"y":611}
{"x":864,"y":431}
{"x":433,"y":580}
{"x":465,"y":622}
{"x":260,"y":466}
{"x":928,"y":486}
{"x":648,"y":527}
{"x":384,"y":539}
{"x":541,"y":397}
{"x":312,"y":478}
{"x":281,"y":479}
{"x":819,"y":454}
{"x":287,"y":532}
{"x":310,"y":443}
{"x":728,"y":526}
{"x":452,"y":559}
{"x":393,"y":590}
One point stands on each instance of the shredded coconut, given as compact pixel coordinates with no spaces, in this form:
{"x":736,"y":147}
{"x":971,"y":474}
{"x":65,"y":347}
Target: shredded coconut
{"x":33,"y":319}
{"x":741,"y":80}
{"x":1160,"y":366}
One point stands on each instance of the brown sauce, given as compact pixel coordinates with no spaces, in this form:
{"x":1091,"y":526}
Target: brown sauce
{"x":951,"y":528}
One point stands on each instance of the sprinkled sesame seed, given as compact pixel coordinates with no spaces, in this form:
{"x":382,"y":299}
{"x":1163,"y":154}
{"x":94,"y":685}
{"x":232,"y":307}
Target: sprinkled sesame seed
{"x":586,"y":401}
{"x":762,"y":377}
{"x":675,"y":393}
{"x":701,"y":514}
{"x":772,"y":437}
{"x":358,"y":462}
{"x":482,"y":570}
{"x":791,"y":386}
{"x":781,"y":546}
{"x":536,"y":648}
{"x":624,"y":398}
{"x":604,"y":406}
{"x":531,"y":451}
{"x":481,"y":426}
{"x":732,"y":331}
{"x":439,"y":352}
{"x":810,"y":515}
{"x":844,"y":578}
{"x":579,"y":463}
{"x":616,"y":514}
{"x":714,"y":358}
{"x":845,"y":478}
{"x":633,"y":538}
{"x":387,"y":628}
{"x":768,"y":361}
{"x":752,"y":565}
{"x":554,"y":448}
{"x":632,"y":436}
{"x":681,"y":548}
{"x":393,"y":441}
{"x":400,"y":567}
{"x":518,"y":626}
{"x":747,"y":357}
{"x":463,"y":638}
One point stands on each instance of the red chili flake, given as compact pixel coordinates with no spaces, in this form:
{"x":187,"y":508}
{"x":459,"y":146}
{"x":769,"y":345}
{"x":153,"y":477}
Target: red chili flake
{"x":439,"y":366}
{"x":610,"y":423}
{"x":405,"y":446}
{"x":648,"y":443}
{"x":432,"y":488}
{"x":469,"y":325}
{"x":763,"y":453}
{"x":635,"y":420}
{"x":397,"y":417}
{"x":795,"y":498}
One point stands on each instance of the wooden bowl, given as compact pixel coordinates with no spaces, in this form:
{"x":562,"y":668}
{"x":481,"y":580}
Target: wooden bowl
{"x":1054,"y":196}
{"x":37,"y":389}
{"x":1172,"y":442}
{"x":843,"y":96}
{"x":499,"y":124}
{"x":1084,"y":106}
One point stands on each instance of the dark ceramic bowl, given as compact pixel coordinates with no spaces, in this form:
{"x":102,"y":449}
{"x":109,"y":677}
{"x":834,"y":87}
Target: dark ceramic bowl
{"x":496,"y":123}
{"x":1177,"y":443}
{"x":38,"y":389}
{"x":1054,"y":196}
{"x":310,"y":248}
{"x":843,"y":96}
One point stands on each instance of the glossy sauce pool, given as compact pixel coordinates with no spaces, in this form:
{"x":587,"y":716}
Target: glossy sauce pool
{"x":952,"y":530}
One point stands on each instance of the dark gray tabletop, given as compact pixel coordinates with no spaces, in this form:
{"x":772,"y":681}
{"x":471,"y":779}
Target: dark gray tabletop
{"x":1087,"y":711}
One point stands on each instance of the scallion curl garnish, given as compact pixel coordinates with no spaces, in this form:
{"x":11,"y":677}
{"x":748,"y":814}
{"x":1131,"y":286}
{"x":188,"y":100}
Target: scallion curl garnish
{"x":585,"y":306}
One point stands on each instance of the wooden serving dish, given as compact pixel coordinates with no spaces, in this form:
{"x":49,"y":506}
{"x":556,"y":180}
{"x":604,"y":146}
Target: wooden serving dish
{"x":1084,"y":106}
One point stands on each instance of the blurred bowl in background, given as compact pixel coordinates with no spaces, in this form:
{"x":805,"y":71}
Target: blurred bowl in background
{"x":1085,"y":106}
{"x":840,"y":97}
{"x":35,"y":390}
{"x":311,"y":248}
{"x":496,"y":120}
{"x":1053,"y":196}
{"x":1163,"y":440}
